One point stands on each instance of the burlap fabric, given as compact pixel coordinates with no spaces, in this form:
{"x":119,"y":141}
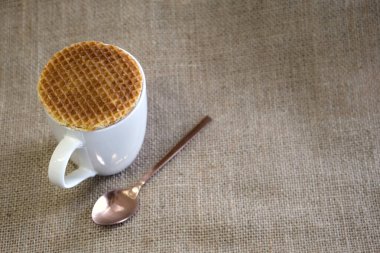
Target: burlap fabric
{"x":289,"y":164}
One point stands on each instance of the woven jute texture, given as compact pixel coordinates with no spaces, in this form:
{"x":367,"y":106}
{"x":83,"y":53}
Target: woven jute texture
{"x":291,"y":162}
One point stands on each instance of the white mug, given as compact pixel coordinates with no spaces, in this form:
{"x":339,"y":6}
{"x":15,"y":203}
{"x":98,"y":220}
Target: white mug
{"x":105,"y":151}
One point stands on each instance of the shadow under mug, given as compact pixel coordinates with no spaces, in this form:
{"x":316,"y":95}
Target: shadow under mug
{"x":105,"y":151}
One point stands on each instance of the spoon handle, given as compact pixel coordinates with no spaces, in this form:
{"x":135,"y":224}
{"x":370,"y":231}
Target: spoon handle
{"x":180,"y":145}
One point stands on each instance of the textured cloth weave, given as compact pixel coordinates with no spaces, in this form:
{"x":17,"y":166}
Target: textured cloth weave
{"x":291,"y":162}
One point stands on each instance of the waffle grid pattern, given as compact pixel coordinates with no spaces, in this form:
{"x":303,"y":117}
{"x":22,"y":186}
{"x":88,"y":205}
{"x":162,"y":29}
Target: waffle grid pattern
{"x":90,"y":85}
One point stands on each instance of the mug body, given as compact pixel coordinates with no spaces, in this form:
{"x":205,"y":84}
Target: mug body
{"x":103,"y":151}
{"x":111,"y":149}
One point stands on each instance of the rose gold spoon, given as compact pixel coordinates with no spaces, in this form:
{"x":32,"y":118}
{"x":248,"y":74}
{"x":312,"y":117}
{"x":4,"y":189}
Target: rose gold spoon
{"x":118,"y":205}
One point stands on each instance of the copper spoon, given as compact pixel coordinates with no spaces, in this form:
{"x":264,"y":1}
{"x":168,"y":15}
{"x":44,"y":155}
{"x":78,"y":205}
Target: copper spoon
{"x":118,"y":205}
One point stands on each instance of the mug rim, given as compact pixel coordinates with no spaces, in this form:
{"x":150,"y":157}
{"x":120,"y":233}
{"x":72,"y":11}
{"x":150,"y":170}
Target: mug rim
{"x":122,"y":119}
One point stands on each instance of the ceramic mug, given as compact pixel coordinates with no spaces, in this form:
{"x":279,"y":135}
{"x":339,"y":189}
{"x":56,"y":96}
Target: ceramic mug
{"x":105,"y":151}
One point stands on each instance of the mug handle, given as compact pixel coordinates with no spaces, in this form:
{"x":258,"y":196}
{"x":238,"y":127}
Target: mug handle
{"x":58,"y":164}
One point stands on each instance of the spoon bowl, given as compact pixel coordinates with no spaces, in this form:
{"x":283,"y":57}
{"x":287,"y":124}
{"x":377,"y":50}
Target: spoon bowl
{"x":118,"y":205}
{"x":114,"y":207}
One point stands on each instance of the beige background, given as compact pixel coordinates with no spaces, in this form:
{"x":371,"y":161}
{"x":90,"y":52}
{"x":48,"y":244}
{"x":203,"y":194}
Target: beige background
{"x":290,"y":163}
